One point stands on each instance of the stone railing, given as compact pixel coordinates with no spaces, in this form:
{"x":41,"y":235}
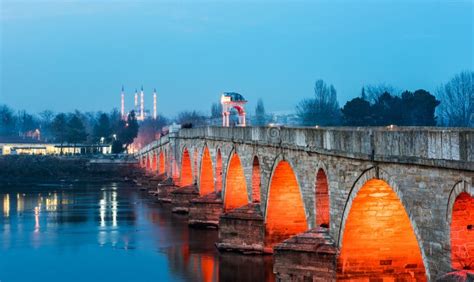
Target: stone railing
{"x":450,"y":147}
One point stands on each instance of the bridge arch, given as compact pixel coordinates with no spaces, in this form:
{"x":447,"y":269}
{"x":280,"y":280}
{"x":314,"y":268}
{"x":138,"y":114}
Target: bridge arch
{"x":154,"y":163}
{"x":460,"y":217}
{"x":161,"y":168}
{"x":256,"y":180}
{"x":218,"y":170}
{"x":282,"y":222}
{"x":148,"y":162}
{"x":322,"y":197}
{"x":235,"y":190}
{"x":377,"y":233}
{"x":206,"y":178}
{"x":186,"y":177}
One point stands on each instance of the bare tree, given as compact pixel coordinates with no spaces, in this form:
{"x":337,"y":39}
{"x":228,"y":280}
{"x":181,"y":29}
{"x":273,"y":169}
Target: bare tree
{"x":457,"y":100}
{"x":323,"y":109}
{"x":372,"y":92}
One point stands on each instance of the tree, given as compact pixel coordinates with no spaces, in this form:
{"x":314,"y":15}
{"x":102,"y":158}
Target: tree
{"x":191,"y":118}
{"x":323,"y":109}
{"x":102,"y":128}
{"x":387,"y":110}
{"x":418,"y":108}
{"x":216,"y":113}
{"x":357,"y":112}
{"x":374,"y":91}
{"x":46,"y":118}
{"x":457,"y":100}
{"x":59,"y":127}
{"x":76,"y":131}
{"x":7,"y":120}
{"x":26,"y":122}
{"x":260,"y":114}
{"x":128,"y":130}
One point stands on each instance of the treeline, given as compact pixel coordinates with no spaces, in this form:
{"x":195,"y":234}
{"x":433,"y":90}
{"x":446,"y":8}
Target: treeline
{"x":71,"y":128}
{"x":381,"y":105}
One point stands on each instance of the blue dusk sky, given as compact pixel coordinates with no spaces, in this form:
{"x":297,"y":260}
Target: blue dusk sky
{"x":66,"y":55}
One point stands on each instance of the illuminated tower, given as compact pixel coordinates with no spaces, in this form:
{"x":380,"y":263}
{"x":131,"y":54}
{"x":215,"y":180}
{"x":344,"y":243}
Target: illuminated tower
{"x":122,"y":108}
{"x":136,"y":100}
{"x":142,"y":105}
{"x":154,"y":104}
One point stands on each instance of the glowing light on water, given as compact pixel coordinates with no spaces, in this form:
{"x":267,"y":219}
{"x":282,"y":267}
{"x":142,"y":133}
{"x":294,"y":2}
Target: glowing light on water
{"x":6,"y":205}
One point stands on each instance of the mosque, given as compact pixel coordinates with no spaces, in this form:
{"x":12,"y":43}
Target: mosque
{"x":139,"y":108}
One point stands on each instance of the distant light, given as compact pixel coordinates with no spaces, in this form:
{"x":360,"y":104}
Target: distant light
{"x":392,"y":126}
{"x":316,"y":126}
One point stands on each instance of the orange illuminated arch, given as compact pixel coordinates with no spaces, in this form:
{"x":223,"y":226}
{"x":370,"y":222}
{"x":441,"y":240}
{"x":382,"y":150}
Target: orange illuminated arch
{"x":219,"y":171}
{"x":285,"y":214}
{"x":206,"y":181}
{"x":186,"y":170}
{"x":322,"y":199}
{"x":462,"y":232}
{"x":162,"y":162}
{"x":154,"y":162}
{"x":378,"y":238}
{"x":256,"y":182}
{"x":235,"y":194}
{"x":148,"y":165}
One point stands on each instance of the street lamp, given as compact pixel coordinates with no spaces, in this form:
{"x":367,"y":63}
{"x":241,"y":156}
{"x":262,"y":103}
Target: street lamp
{"x":102,"y":140}
{"x":115,"y":136}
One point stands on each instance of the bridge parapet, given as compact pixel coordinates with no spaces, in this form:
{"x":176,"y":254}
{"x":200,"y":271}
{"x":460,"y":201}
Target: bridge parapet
{"x":444,"y":147}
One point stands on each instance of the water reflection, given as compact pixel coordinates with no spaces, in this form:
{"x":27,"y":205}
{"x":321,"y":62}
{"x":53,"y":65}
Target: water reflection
{"x":108,"y":232}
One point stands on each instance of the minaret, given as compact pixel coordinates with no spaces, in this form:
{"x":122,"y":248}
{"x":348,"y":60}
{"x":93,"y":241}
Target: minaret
{"x":136,"y":101}
{"x":142,"y":105}
{"x":154,"y":104}
{"x":122,"y":107}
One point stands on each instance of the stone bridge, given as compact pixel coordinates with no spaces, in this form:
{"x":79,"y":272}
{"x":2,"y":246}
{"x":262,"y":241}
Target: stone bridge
{"x":366,"y":202}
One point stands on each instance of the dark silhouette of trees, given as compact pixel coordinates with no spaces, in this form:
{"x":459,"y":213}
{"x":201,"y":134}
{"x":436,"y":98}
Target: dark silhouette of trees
{"x":411,"y":109}
{"x":45,"y":120}
{"x":418,"y":108}
{"x":128,"y":130}
{"x":59,"y":128}
{"x":191,"y":119}
{"x":457,"y":100}
{"x":261,"y":117}
{"x":7,"y":120}
{"x":323,"y":109}
{"x":357,"y":112}
{"x":102,"y":128}
{"x":372,"y":92}
{"x":26,"y":122}
{"x":75,"y":131}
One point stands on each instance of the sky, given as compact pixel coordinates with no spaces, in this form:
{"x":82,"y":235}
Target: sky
{"x":66,"y":55}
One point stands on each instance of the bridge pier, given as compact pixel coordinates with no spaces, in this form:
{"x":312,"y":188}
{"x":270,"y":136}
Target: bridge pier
{"x":309,"y":256}
{"x":181,"y":197}
{"x":163,"y":194}
{"x":205,"y":211}
{"x":242,"y":230}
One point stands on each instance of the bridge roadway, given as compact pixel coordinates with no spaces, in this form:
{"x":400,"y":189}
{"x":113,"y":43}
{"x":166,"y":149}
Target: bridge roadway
{"x":378,"y":202}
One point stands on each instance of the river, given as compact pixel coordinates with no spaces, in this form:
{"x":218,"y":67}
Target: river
{"x":108,"y":232}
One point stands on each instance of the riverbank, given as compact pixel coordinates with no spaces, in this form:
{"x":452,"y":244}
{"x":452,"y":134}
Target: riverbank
{"x":27,"y":168}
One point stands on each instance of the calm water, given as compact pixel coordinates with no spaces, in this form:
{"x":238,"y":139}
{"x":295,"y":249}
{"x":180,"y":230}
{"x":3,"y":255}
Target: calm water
{"x":108,"y":232}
